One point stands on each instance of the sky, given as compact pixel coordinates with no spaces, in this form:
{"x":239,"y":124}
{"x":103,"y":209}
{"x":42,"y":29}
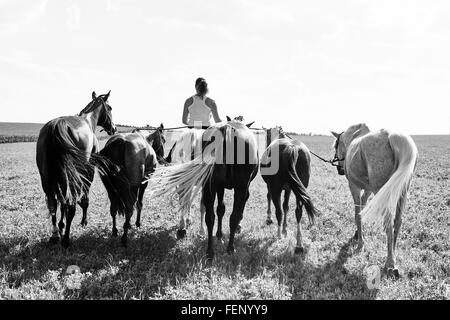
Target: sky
{"x":309,"y":66}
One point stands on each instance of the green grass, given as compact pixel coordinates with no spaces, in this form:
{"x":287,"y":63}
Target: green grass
{"x":158,"y":266}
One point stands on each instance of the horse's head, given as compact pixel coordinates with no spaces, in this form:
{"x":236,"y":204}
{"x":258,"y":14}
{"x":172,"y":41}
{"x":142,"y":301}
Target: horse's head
{"x":240,"y":119}
{"x":157,"y":140}
{"x":105,"y":114}
{"x":339,"y":152}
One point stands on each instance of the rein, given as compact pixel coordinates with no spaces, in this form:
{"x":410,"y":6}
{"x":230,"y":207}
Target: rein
{"x":332,"y":161}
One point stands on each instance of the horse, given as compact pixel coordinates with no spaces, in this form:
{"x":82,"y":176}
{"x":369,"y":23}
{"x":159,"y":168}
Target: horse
{"x":136,"y":154}
{"x":382,"y":163}
{"x":66,"y":159}
{"x":293,"y":162}
{"x":185,"y":149}
{"x":229,"y":160}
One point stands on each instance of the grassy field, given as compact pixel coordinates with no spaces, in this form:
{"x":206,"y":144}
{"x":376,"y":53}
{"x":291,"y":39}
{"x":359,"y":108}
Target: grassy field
{"x":11,"y":132}
{"x":158,"y":266}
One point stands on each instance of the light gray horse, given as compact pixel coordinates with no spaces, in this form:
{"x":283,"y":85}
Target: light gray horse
{"x":382,"y":163}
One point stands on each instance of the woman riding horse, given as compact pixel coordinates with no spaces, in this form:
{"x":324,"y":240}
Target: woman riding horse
{"x":196,"y":115}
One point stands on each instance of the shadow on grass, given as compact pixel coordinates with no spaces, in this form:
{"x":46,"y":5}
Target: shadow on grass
{"x":155,"y":258}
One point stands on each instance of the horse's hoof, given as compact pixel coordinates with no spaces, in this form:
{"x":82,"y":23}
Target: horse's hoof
{"x":181,"y":233}
{"x":269,"y":221}
{"x":238,"y":229}
{"x":393,"y":273}
{"x":231,"y":250}
{"x":355,"y":237}
{"x":299,"y":250}
{"x":209,"y":256}
{"x":53,"y":240}
{"x":114,"y":233}
{"x":284,"y":232}
{"x":83,"y":223}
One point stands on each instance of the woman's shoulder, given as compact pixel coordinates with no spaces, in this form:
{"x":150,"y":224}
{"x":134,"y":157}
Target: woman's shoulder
{"x":210,"y":102}
{"x":189,"y":101}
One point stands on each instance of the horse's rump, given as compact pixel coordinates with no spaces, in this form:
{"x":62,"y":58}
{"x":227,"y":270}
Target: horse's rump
{"x":382,"y":208}
{"x":63,"y":166}
{"x":117,"y":183}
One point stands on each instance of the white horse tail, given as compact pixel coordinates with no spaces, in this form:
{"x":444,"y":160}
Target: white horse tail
{"x":382,"y":208}
{"x":182,"y":179}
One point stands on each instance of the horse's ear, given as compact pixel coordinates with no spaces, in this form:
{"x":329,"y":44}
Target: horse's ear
{"x":228,"y":118}
{"x":107,"y":96}
{"x":94,"y":95}
{"x":161,"y":126}
{"x":250,"y":124}
{"x":336,"y":135}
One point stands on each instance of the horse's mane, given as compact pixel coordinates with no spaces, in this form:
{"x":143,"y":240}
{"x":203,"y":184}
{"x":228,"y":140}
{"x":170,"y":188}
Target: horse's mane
{"x":92,"y":105}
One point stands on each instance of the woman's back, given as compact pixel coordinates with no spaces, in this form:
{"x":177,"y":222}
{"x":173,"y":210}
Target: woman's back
{"x":199,"y":112}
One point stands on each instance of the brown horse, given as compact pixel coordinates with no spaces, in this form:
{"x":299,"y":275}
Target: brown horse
{"x":381,"y":163}
{"x":290,"y":163}
{"x":66,"y":158}
{"x":229,"y":160}
{"x":136,"y":155}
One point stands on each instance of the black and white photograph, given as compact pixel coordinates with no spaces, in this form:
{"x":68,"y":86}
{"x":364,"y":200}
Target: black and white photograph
{"x":224,"y":154}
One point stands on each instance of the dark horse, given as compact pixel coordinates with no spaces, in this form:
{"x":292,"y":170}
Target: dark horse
{"x":285,"y":165}
{"x":66,"y":158}
{"x":229,"y":160}
{"x":136,"y":155}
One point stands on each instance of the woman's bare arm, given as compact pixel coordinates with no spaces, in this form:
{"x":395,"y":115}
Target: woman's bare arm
{"x":187,"y":103}
{"x":212,"y":104}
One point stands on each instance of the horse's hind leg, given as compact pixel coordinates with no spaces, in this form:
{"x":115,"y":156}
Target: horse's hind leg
{"x":61,"y":219}
{"x":209,"y":195}
{"x":392,"y":271}
{"x":269,"y":209}
{"x":139,"y":203}
{"x":398,"y":218}
{"x":276,"y":198}
{"x":128,"y":214}
{"x":356,"y":194}
{"x":220,"y":211}
{"x":113,"y":211}
{"x":84,"y":204}
{"x":52,"y":206}
{"x":70,"y":213}
{"x":184,"y":221}
{"x":240,"y":198}
{"x":287,"y":194}
{"x":298,"y":215}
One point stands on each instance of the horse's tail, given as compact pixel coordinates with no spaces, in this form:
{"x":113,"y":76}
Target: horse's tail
{"x":289,"y":160}
{"x":184,"y":178}
{"x":382,"y":208}
{"x":116,"y":181}
{"x":68,"y":166}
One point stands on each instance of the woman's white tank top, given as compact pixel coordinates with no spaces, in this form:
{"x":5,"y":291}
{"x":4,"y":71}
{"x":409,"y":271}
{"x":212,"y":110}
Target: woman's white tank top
{"x":199,"y":111}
